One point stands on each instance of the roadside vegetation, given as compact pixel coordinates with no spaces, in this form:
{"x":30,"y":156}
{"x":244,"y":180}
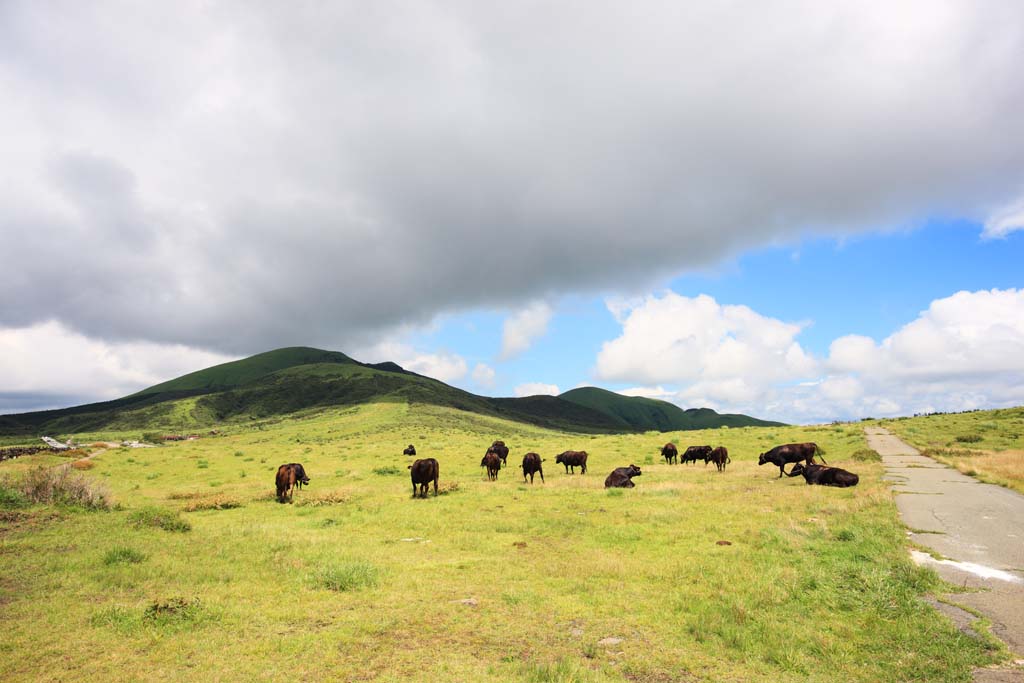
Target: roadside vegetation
{"x":987,"y":444}
{"x":197,"y":573}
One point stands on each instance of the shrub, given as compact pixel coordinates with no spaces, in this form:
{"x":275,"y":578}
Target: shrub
{"x":11,"y":498}
{"x":61,"y":485}
{"x":161,"y":518}
{"x":82,"y":464}
{"x":348,"y":576}
{"x":215,"y":503}
{"x":969,"y":438}
{"x":866,"y":455}
{"x":123,"y":555}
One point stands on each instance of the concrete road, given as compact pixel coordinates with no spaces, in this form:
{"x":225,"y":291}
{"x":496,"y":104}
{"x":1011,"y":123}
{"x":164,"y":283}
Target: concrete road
{"x":978,"y":528}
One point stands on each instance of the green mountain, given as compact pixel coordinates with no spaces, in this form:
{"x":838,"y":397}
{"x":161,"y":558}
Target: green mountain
{"x":645,"y":414}
{"x":290,"y":380}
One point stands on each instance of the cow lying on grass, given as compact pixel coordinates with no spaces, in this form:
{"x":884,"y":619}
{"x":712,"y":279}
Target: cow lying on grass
{"x":790,"y":452}
{"x":622,"y":477}
{"x":824,"y":476}
{"x":411,"y":450}
{"x":289,"y":477}
{"x":423,"y":472}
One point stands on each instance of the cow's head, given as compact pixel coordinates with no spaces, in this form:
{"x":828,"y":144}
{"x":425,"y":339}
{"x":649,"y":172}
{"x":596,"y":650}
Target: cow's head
{"x":634,"y":471}
{"x":559,"y":459}
{"x":797,"y":469}
{"x":761,"y":460}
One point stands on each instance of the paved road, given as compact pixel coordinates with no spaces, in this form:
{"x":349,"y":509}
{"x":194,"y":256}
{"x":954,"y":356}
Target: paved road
{"x":978,"y":527}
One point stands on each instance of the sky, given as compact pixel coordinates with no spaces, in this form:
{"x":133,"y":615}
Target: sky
{"x":801,"y":211}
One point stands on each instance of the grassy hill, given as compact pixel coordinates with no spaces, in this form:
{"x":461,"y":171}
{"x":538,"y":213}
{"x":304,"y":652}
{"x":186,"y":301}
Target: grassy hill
{"x":293,"y":380}
{"x":645,"y":414}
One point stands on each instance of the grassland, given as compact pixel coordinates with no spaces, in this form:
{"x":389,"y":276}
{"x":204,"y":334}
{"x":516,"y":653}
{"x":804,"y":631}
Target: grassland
{"x":985,"y":444}
{"x":199,"y":574}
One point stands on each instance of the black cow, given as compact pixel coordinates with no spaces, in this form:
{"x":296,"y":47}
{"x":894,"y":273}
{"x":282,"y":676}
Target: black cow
{"x":622,"y":477}
{"x":790,"y":452}
{"x":573,"y":459}
{"x":670,"y":453}
{"x":492,"y":461}
{"x":719,"y":456}
{"x":423,"y":472}
{"x":695,"y":453}
{"x":411,"y":450}
{"x":532,"y":465}
{"x":501,"y":450}
{"x":289,"y":477}
{"x":824,"y":476}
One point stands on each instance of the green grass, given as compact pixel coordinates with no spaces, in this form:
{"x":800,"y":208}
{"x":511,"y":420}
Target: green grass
{"x":495,"y":581}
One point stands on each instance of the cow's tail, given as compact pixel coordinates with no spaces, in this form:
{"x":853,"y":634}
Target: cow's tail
{"x":818,"y":451}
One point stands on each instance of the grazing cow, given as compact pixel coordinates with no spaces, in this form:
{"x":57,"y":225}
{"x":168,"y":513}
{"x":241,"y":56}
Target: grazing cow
{"x":423,"y":472}
{"x":670,"y":453}
{"x":719,"y":456}
{"x":824,"y":476}
{"x":622,"y":477}
{"x":288,"y":478}
{"x":790,"y":452}
{"x":573,"y":459}
{"x":531,"y":466}
{"x":492,"y":461}
{"x":501,"y":450}
{"x":695,"y":453}
{"x":411,"y":450}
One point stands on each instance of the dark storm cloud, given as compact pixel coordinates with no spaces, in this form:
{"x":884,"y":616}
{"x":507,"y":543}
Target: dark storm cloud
{"x":238,"y":177}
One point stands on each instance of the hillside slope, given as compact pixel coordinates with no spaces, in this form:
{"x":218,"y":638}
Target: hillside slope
{"x":646,"y":414}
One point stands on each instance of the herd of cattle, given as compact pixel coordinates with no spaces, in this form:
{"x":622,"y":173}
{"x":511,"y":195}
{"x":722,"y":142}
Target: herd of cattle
{"x":426,"y":470}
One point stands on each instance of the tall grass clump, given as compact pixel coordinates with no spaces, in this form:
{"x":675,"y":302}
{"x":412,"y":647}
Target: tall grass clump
{"x":158,"y":517}
{"x":123,"y":555}
{"x":348,"y":576}
{"x":60,"y":485}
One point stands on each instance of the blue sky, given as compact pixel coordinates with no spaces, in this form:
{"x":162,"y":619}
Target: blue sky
{"x":869,"y":284}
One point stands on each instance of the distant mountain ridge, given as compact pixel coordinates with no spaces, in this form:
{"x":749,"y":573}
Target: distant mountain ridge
{"x":286,"y":381}
{"x":645,"y":414}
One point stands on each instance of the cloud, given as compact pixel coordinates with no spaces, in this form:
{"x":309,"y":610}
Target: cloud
{"x":483,"y":375}
{"x":243,"y":176}
{"x":48,"y":366}
{"x":965,"y":351}
{"x":536,"y":389}
{"x":445,"y":366}
{"x":1008,"y":219}
{"x":725,"y":352}
{"x":523,"y":328}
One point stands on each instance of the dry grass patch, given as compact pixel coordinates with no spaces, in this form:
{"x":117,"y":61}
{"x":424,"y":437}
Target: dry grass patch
{"x":61,"y":485}
{"x":215,"y":503}
{"x":1005,"y":468}
{"x":82,"y":465}
{"x":325,"y":498}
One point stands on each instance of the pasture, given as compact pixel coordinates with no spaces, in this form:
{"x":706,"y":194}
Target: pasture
{"x":199,"y":574}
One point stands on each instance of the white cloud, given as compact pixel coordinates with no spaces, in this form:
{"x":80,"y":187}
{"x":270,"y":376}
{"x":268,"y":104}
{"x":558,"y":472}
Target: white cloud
{"x":966,"y":351}
{"x":1009,"y":218}
{"x":535,"y":389}
{"x":647,"y":392}
{"x":483,"y":375}
{"x":523,"y":328}
{"x":678,"y":339}
{"x":48,"y":366}
{"x":445,"y":366}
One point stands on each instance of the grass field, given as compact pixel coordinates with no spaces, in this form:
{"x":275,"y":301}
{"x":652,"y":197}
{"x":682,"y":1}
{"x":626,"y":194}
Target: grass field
{"x":198,"y":574}
{"x":986,"y":444}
